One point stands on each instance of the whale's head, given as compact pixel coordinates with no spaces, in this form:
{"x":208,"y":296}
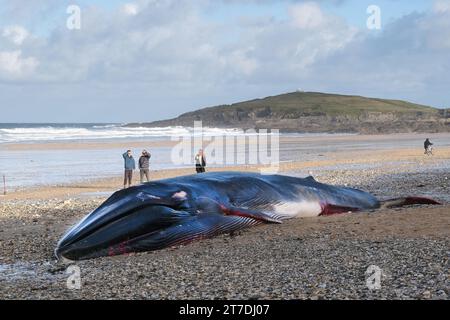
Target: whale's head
{"x":127,"y":215}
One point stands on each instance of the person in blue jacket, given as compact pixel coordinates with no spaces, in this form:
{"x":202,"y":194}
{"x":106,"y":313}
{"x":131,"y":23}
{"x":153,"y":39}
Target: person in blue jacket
{"x":130,"y":165}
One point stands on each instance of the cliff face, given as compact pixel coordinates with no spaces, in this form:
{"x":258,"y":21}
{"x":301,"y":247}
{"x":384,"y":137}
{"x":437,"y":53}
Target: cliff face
{"x":318,"y":112}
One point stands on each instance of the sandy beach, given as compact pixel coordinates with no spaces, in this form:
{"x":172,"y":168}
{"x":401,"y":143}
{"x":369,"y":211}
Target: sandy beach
{"x":311,"y":258}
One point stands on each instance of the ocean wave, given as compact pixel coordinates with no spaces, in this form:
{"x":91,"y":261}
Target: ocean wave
{"x":101,"y":132}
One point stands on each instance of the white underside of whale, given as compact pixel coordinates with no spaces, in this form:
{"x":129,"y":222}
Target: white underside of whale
{"x":301,"y":209}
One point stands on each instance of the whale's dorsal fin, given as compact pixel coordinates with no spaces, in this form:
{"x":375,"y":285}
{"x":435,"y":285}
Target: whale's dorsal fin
{"x":310,"y":178}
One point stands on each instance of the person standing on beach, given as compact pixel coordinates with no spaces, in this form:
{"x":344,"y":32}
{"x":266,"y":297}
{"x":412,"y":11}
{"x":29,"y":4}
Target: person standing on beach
{"x":130,"y":165}
{"x":200,"y":162}
{"x":144,"y":165}
{"x":427,"y":144}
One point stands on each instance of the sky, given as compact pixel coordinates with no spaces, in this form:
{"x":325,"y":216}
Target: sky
{"x":145,"y":60}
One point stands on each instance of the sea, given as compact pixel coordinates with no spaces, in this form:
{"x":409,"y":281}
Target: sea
{"x":51,"y":132}
{"x":52,"y":166}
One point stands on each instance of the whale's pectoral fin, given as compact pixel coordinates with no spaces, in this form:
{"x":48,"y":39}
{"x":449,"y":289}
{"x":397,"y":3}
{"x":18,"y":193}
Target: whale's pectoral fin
{"x":247,"y":213}
{"x":213,"y":206}
{"x":406,"y":201}
{"x":330,"y":209}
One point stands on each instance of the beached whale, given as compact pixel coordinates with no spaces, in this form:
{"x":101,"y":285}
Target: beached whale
{"x":176,"y":211}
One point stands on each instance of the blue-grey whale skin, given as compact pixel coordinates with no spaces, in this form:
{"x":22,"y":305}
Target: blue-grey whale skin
{"x":169,"y":212}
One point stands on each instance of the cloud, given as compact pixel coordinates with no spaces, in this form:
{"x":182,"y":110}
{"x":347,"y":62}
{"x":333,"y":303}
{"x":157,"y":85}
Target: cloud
{"x":441,"y":6}
{"x":407,"y":60}
{"x":131,"y":9}
{"x":13,"y":65}
{"x":288,"y":50}
{"x":169,"y":41}
{"x":307,"y":15}
{"x":17,"y":34}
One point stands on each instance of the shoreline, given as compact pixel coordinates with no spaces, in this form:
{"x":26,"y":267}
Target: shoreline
{"x":388,"y":160}
{"x":146,"y":142}
{"x":50,"y":164}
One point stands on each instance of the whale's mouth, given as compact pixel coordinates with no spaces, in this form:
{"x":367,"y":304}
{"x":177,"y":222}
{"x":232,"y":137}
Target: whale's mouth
{"x":87,"y":240}
{"x":119,"y":220}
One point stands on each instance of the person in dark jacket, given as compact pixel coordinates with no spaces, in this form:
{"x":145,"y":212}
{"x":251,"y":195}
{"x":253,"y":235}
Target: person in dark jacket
{"x":130,"y":165}
{"x":427,"y":144}
{"x":144,"y":165}
{"x":200,"y":162}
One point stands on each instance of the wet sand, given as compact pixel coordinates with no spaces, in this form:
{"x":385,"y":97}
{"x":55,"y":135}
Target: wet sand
{"x":367,"y":162}
{"x":311,"y":258}
{"x":84,"y":162}
{"x":310,"y":140}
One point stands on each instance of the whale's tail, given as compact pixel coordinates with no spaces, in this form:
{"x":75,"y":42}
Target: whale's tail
{"x":406,"y":201}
